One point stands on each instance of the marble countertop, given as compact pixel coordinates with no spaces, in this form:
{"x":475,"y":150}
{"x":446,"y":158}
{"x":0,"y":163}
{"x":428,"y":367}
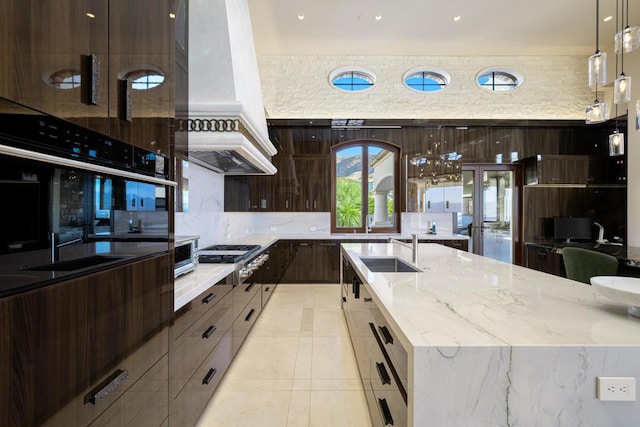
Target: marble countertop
{"x":462,"y":299}
{"x":189,"y":286}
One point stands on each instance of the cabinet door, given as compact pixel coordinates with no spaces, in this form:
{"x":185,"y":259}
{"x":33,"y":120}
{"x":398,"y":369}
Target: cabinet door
{"x":283,"y":185}
{"x":47,"y":46}
{"x":141,"y":63}
{"x":453,"y":197}
{"x":434,"y":199}
{"x":312,"y":177}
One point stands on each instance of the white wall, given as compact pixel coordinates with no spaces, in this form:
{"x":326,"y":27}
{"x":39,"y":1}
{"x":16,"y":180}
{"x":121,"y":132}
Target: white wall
{"x":555,"y":87}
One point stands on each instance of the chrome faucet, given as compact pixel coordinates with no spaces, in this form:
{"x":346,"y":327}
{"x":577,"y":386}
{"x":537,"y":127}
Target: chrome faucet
{"x":55,"y":246}
{"x":369,"y":222}
{"x":414,"y":247}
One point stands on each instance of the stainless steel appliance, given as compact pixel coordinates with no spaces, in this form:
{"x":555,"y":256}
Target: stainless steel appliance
{"x":247,"y":258}
{"x":186,"y":256}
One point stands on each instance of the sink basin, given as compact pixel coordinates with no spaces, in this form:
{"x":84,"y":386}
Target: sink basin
{"x":389,"y":265}
{"x":77,"y":264}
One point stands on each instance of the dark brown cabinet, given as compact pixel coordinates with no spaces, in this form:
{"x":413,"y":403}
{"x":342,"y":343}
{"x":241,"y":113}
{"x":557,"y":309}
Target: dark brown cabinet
{"x":313,"y":179}
{"x":71,"y":350}
{"x":79,"y":61}
{"x":313,"y":261}
{"x":544,"y":258}
{"x":561,"y":169}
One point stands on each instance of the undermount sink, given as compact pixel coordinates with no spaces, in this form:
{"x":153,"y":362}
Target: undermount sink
{"x":389,"y":265}
{"x":77,"y":264}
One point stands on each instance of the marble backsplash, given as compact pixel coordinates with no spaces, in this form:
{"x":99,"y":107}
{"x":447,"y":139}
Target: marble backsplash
{"x":207,"y":219}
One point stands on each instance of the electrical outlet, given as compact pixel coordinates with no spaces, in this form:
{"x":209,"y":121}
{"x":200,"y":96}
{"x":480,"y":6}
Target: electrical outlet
{"x":616,"y":388}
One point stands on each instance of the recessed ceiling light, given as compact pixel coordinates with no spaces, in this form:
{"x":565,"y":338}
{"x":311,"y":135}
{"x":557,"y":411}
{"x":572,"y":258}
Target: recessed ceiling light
{"x":608,"y":18}
{"x":378,"y":17}
{"x":301,"y":17}
{"x":456,"y":18}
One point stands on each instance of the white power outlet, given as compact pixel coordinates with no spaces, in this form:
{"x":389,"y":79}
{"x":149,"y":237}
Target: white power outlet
{"x":616,"y":388}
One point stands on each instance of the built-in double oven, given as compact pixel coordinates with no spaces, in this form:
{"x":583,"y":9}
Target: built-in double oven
{"x":73,"y":199}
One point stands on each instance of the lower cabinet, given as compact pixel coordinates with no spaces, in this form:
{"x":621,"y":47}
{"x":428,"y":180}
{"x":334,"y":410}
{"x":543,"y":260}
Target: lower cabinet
{"x":382,"y":361}
{"x":205,"y":336}
{"x":313,"y":261}
{"x":544,"y":258}
{"x":88,"y":351}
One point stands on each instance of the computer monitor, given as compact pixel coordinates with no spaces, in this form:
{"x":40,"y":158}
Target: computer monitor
{"x":569,"y":228}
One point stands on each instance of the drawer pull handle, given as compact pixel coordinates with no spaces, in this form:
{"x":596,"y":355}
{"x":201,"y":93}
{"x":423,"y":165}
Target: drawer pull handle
{"x":208,"y":298}
{"x":388,"y":338}
{"x":344,"y":299}
{"x":248,"y":288}
{"x":303,"y":244}
{"x":107,"y":386}
{"x":207,"y":378}
{"x":267,"y":289}
{"x":368,"y":299}
{"x":246,"y":319}
{"x":386,"y":413}
{"x":210,"y":330}
{"x":382,"y":372}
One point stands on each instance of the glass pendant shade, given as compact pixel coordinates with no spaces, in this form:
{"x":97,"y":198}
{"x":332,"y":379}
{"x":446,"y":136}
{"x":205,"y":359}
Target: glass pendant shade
{"x":627,"y":39}
{"x":622,"y":89}
{"x":597,"y":69}
{"x":597,"y":112}
{"x":616,"y":144}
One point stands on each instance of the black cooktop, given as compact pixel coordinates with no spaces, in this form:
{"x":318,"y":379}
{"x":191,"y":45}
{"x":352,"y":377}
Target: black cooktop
{"x":225,"y":254}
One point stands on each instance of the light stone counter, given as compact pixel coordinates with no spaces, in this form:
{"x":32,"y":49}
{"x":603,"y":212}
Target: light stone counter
{"x":491,"y":343}
{"x":189,"y":286}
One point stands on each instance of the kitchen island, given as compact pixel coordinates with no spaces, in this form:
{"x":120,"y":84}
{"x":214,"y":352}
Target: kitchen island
{"x":489,"y":343}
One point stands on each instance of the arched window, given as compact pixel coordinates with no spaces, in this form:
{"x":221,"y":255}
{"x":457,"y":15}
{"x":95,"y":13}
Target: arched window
{"x":365,"y":187}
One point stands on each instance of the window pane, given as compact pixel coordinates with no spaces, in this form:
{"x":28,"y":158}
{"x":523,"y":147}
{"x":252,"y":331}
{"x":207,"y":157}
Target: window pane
{"x":349,"y":187}
{"x":380,"y":186}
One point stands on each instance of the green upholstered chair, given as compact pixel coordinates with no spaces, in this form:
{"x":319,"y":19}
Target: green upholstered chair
{"x":582,"y":264}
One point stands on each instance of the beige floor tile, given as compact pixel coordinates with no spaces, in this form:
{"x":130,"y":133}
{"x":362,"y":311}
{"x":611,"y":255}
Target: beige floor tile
{"x":333,"y":358}
{"x":304,"y":358}
{"x":299,"y":408}
{"x":266,"y":358}
{"x":296,"y":367}
{"x":338,"y":409}
{"x":247,"y":408}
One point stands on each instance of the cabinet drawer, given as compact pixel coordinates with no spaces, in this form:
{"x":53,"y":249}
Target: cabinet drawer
{"x":391,"y":408}
{"x":245,"y":321}
{"x":186,"y":316}
{"x":267,"y":290}
{"x":244,"y":293}
{"x":194,"y":346}
{"x":392,"y":345}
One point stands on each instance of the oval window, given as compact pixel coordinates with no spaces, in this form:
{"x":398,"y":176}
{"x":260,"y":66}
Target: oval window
{"x":499,"y":80}
{"x":145,"y":79}
{"x":352,"y":79}
{"x":65,"y":79}
{"x":426,"y":80}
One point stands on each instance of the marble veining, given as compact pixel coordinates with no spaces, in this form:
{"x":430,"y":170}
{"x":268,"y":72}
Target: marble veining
{"x":492,"y":344}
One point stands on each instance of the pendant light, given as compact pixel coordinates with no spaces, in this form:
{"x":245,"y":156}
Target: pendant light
{"x":628,"y":39}
{"x":597,"y":112}
{"x":622,"y":85}
{"x":597,"y":61}
{"x":616,"y":139}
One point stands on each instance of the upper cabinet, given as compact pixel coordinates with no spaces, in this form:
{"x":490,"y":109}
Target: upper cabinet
{"x":55,"y":58}
{"x":564,"y":170}
{"x":105,"y":65}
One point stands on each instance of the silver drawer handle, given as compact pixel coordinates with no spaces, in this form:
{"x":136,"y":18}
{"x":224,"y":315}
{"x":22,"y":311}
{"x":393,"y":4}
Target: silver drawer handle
{"x":112,"y":382}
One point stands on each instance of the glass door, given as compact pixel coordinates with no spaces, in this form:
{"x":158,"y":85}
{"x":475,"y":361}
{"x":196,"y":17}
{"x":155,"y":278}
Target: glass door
{"x":490,"y":210}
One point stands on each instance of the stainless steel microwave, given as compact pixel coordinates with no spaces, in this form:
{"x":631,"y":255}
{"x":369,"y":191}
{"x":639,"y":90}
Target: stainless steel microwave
{"x":186,"y":258}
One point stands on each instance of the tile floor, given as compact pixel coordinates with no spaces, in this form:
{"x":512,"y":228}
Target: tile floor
{"x":296,"y":367}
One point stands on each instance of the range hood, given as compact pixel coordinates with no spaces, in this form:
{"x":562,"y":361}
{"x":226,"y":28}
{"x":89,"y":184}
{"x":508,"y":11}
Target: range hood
{"x":226,"y":125}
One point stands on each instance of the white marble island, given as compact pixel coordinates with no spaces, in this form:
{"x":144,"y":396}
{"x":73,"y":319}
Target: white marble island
{"x":493,"y":344}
